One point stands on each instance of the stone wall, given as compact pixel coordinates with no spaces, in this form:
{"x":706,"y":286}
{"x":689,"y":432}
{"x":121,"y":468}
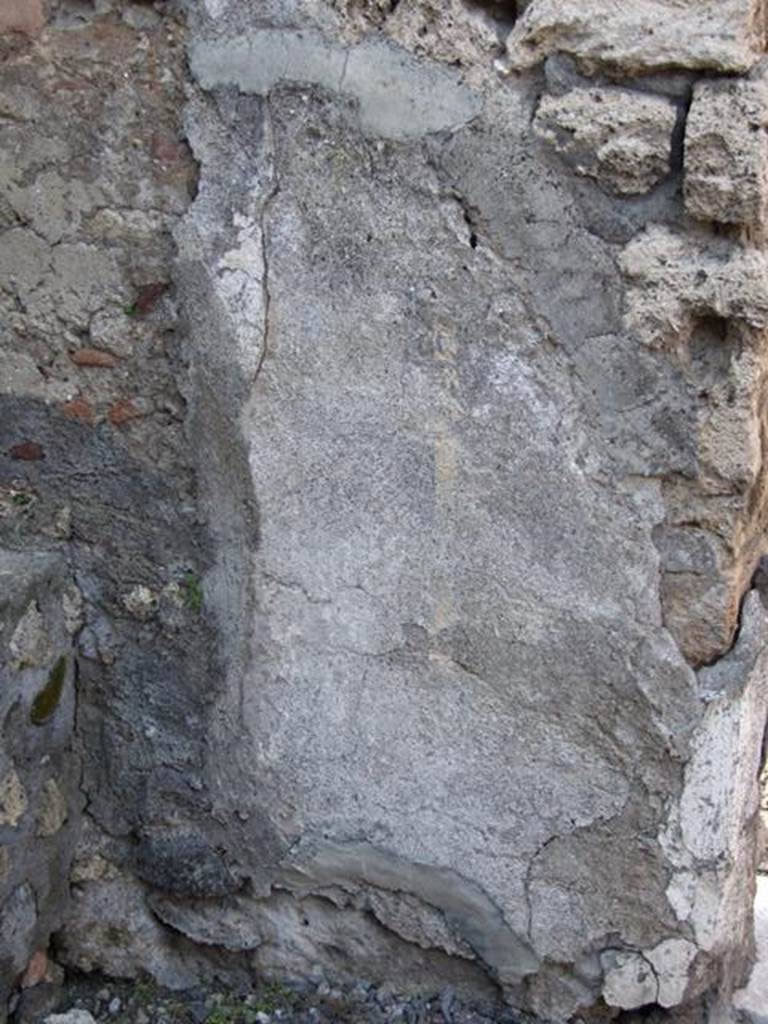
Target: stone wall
{"x":404,"y":436}
{"x":96,"y":474}
{"x":40,"y":802}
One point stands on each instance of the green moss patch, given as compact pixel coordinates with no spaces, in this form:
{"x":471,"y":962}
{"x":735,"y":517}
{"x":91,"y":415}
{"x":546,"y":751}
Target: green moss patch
{"x":192,"y":594}
{"x":47,"y":700}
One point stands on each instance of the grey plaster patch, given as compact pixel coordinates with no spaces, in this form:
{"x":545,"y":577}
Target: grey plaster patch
{"x":399,"y":97}
{"x":230,"y":922}
{"x":465,"y":906}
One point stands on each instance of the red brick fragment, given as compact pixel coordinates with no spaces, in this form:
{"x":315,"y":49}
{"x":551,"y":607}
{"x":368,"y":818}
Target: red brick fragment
{"x":167,"y":148}
{"x":123,"y":411}
{"x":78,"y":409}
{"x":36,"y":970}
{"x":148,"y":296}
{"x":93,"y":357}
{"x":28,"y":451}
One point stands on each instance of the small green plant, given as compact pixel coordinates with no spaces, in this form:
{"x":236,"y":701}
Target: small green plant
{"x":274,"y":996}
{"x":192,"y":594}
{"x":22,"y":498}
{"x":144,"y":991}
{"x":228,"y":1013}
{"x":130,"y":310}
{"x":176,"y":1011}
{"x":268,"y":999}
{"x":115,"y":936}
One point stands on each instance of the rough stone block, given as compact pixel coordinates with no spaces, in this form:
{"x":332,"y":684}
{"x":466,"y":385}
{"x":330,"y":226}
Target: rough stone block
{"x":726,"y":151}
{"x":53,"y":810}
{"x":13,"y":800}
{"x":109,"y":927}
{"x":714,"y":35}
{"x":622,"y":139}
{"x":676,"y":280}
{"x":18,"y":926}
{"x":184,"y":864}
{"x":26,"y":16}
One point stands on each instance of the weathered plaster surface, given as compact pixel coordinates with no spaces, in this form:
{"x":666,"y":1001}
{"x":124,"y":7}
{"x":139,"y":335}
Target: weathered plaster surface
{"x":451,"y":545}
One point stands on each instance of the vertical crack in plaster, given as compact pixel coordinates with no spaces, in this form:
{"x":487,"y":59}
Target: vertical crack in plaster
{"x":264,"y":231}
{"x":345,"y":65}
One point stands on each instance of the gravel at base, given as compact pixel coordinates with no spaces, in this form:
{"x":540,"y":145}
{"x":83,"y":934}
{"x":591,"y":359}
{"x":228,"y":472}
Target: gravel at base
{"x":121,"y":1002}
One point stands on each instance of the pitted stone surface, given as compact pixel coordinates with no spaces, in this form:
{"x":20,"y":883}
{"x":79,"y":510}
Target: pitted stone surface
{"x":13,"y":800}
{"x":630,"y":981}
{"x":621,"y":139}
{"x":726,"y":151}
{"x":53,"y":809}
{"x":30,"y":645}
{"x":713,"y":35}
{"x":677,"y":280}
{"x":22,"y":16}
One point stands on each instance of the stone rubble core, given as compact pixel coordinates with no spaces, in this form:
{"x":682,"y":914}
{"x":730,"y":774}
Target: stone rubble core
{"x":383,"y":432}
{"x":40,"y":800}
